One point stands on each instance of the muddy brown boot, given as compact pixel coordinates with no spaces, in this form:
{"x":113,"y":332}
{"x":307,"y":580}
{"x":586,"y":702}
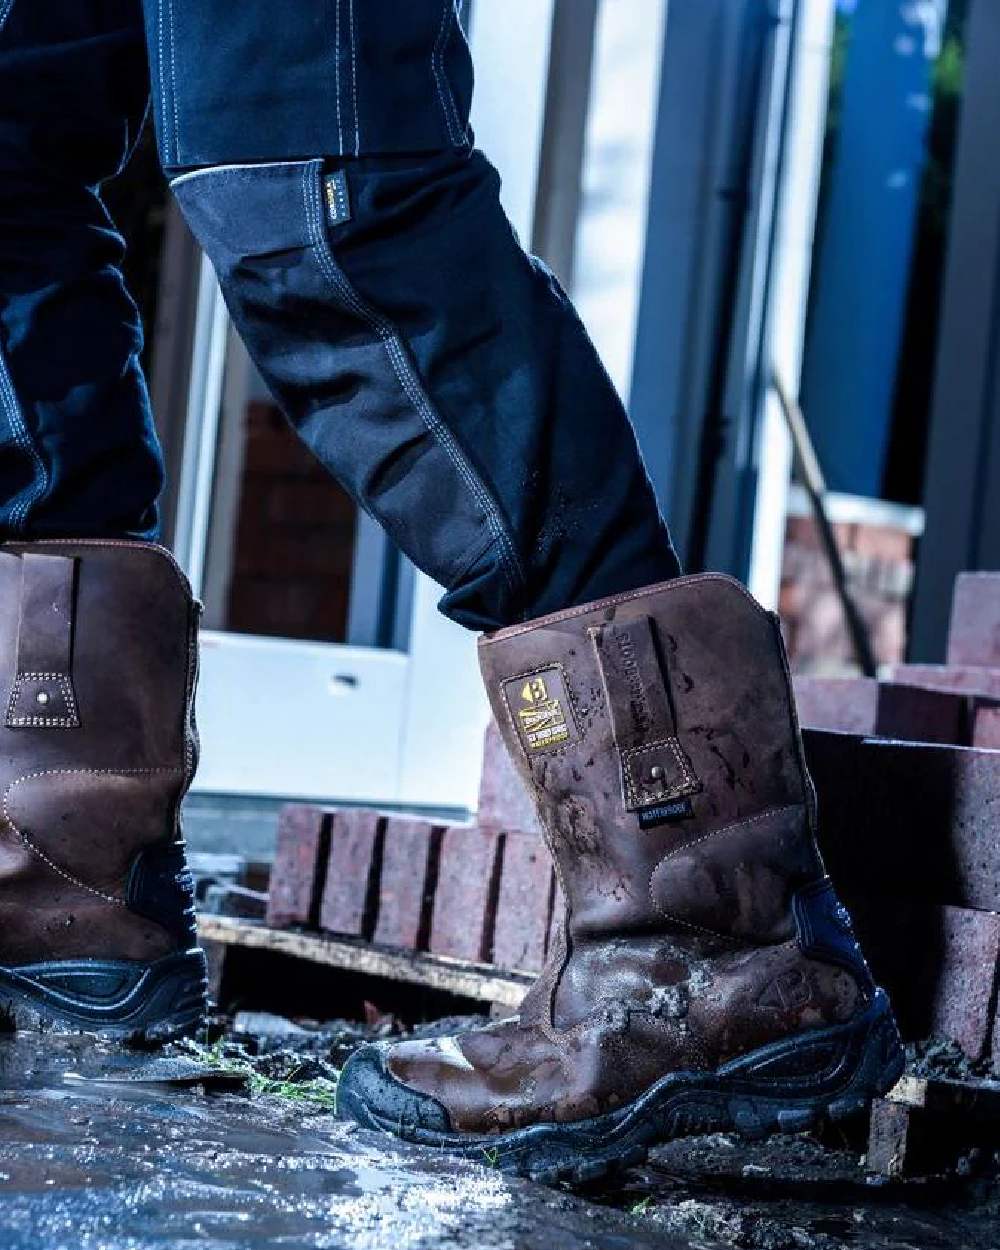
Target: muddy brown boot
{"x":98,"y":648}
{"x":707,"y":979}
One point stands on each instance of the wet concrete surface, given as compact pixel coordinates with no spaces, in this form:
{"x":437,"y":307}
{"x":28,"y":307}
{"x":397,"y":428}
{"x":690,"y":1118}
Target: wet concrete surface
{"x":797,"y":1193}
{"x":234,"y":1147}
{"x":148,"y":1164}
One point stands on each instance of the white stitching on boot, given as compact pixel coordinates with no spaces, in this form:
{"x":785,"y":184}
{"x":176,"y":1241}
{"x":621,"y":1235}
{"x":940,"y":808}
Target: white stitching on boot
{"x":114,"y":899}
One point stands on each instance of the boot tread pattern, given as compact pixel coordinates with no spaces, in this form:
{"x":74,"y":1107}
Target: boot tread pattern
{"x":110,"y":998}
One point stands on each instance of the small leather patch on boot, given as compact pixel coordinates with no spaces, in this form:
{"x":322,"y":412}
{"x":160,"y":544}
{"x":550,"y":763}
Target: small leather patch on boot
{"x":665,"y":813}
{"x":541,"y":710}
{"x":42,"y":701}
{"x":656,"y":771}
{"x":42,"y":694}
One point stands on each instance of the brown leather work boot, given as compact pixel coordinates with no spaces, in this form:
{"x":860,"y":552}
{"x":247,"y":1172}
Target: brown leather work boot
{"x":98,"y":646}
{"x":707,"y":979}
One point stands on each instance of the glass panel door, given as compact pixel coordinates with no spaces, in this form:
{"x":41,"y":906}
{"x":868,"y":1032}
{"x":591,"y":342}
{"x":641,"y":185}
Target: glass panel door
{"x":303,"y":680}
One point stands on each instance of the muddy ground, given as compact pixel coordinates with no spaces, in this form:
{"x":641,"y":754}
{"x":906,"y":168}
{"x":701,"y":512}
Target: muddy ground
{"x":232,"y":1145}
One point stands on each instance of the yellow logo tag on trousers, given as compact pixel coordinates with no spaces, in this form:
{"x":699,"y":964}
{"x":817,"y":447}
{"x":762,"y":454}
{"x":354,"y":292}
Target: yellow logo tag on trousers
{"x":541,"y":709}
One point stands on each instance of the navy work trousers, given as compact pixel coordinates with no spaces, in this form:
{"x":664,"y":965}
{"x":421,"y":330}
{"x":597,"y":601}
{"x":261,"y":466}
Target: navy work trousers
{"x":321,"y":153}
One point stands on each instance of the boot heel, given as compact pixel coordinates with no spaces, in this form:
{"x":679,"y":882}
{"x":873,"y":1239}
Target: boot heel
{"x":831,"y":1074}
{"x":112,"y":998}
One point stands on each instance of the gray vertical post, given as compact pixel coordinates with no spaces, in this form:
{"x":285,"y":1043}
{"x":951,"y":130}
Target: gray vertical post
{"x":702,"y":196}
{"x":173,"y":337}
{"x":962,"y":486}
{"x":724,"y":508}
{"x":560,"y":165}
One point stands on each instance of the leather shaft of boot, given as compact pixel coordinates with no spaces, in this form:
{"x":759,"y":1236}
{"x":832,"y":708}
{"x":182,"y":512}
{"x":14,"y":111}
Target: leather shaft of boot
{"x":97,"y":747}
{"x":657,"y":733}
{"x":672,"y":786}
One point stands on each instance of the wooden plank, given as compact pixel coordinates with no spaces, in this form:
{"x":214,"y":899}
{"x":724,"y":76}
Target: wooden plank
{"x":975,"y":1098}
{"x":923,"y":1124}
{"x":435,"y":971}
{"x":892,"y":1129}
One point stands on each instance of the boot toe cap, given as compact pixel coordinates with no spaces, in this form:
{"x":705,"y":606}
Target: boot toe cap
{"x":369,"y":1094}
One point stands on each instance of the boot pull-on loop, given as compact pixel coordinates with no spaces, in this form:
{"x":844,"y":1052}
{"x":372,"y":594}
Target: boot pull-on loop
{"x":43,"y":696}
{"x":657,"y":775}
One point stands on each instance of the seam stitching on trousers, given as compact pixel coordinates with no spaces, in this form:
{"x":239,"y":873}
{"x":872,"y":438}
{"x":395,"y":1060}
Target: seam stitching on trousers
{"x":162,"y":70}
{"x":8,"y":398}
{"x":412,"y":388}
{"x":174,"y":108}
{"x":437,"y":68}
{"x":354,"y":81}
{"x":453,"y":25}
{"x":336,"y":76}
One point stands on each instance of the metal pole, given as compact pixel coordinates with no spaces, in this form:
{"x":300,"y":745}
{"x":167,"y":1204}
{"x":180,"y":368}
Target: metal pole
{"x":815,"y":486}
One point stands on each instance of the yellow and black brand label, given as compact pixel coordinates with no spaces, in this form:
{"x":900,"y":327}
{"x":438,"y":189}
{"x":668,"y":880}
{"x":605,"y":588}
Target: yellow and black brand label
{"x":541,"y":710}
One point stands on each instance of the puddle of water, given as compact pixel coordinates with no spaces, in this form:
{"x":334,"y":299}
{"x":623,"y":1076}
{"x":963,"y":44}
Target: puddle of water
{"x":138,"y":1165}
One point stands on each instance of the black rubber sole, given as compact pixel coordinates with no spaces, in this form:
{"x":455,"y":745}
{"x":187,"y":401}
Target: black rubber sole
{"x":111,"y":998}
{"x":786,"y":1087}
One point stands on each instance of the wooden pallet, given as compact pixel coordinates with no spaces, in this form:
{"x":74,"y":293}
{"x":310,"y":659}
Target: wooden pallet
{"x":478,"y":981}
{"x":923,"y":1125}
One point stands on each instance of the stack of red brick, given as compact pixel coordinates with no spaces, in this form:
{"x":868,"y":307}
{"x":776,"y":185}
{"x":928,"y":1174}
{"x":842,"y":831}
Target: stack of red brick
{"x":480,"y":893}
{"x":909,"y":793}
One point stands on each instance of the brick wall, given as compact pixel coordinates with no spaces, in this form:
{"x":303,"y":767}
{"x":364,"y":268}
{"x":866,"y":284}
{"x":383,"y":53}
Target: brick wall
{"x":878,"y":561}
{"x":294,"y":538}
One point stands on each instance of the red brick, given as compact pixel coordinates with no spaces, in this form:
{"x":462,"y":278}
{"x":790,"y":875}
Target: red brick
{"x":504,"y":801}
{"x":974,"y":633}
{"x":862,"y":705}
{"x":406,"y":889}
{"x":966,"y":678}
{"x":524,"y":908}
{"x":465,"y":899}
{"x":295,"y":502}
{"x":996,"y":1041}
{"x":883,"y":543}
{"x":917,"y":714}
{"x":273,"y":447}
{"x":917,"y":821}
{"x":846,"y":704}
{"x":350,"y":896}
{"x":939,"y":965}
{"x":295,"y":608}
{"x":299,"y":866}
{"x":986,"y":728}
{"x":291,"y":555}
{"x":963,"y":991}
